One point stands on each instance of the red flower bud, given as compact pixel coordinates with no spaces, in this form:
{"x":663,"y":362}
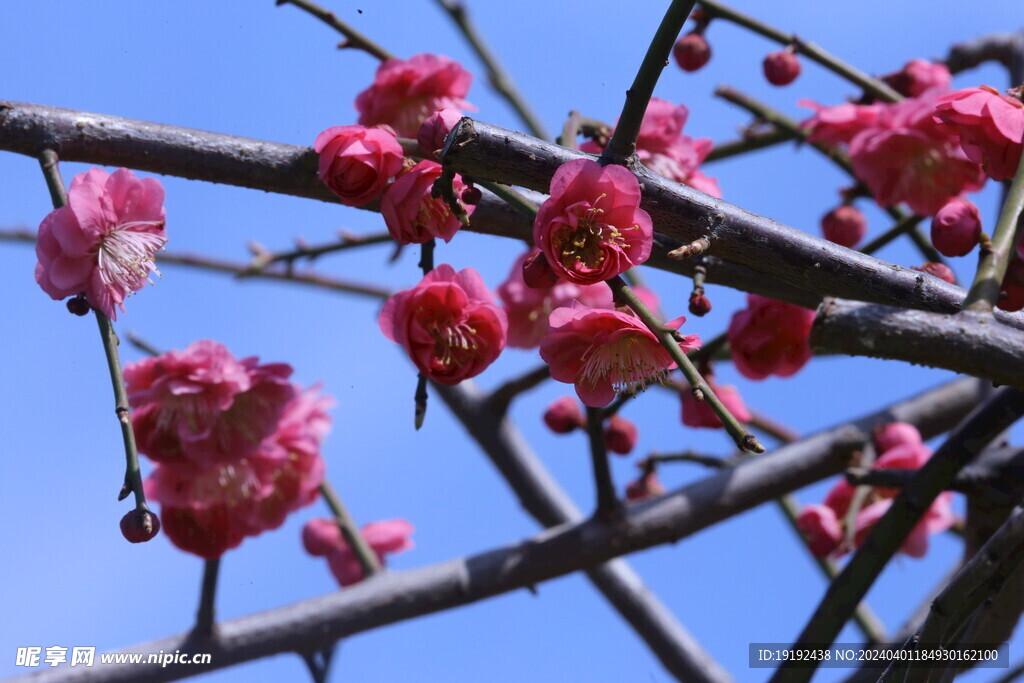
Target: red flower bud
{"x":564,"y":416}
{"x":139,"y":526}
{"x":78,"y":306}
{"x":844,"y":225}
{"x":537,"y":272}
{"x":691,"y":52}
{"x":620,"y":435}
{"x":700,"y":305}
{"x":1011,"y":298}
{"x":939,"y":270}
{"x":956,"y":227}
{"x":782,"y":67}
{"x":647,"y":486}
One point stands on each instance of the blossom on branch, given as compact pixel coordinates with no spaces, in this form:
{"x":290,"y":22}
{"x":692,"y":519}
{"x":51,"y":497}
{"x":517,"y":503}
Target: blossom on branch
{"x":449,"y":324}
{"x":592,"y":228}
{"x":357,"y":163}
{"x":406,"y":91}
{"x":322,"y":538}
{"x":412,"y":214}
{"x":103,"y":241}
{"x":770,"y":337}
{"x":990,"y":126}
{"x":602,"y":351}
{"x":956,"y":227}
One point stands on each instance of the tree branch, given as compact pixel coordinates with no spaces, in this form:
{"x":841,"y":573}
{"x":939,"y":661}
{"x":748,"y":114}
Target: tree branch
{"x":353,"y":38}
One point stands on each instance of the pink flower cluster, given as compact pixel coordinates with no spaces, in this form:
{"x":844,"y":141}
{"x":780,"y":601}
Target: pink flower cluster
{"x":322,"y":538}
{"x":237,"y":445}
{"x":449,"y":324}
{"x":900,"y":447}
{"x":103,"y":241}
{"x":770,"y":337}
{"x":663,"y":148}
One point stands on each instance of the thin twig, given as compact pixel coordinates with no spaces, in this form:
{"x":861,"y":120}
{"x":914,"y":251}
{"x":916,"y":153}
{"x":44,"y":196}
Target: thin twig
{"x":206,"y":614}
{"x":262,"y":258}
{"x":368,"y":559}
{"x":500,"y":399}
{"x":353,"y":38}
{"x":609,"y":507}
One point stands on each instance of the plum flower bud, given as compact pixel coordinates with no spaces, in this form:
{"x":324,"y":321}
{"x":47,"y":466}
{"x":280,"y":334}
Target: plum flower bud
{"x":357,"y":163}
{"x":78,"y":306}
{"x":139,"y":526}
{"x":321,"y":536}
{"x":939,"y":270}
{"x":691,"y":51}
{"x":435,"y":129}
{"x":620,"y":435}
{"x":782,"y":67}
{"x":821,"y":528}
{"x":770,"y":337}
{"x":700,"y":305}
{"x":956,"y":228}
{"x":893,"y":434}
{"x":647,"y":486}
{"x":384,"y":538}
{"x":537,"y":272}
{"x":564,"y":416}
{"x":471,"y":196}
{"x":1011,"y":296}
{"x":844,"y":225}
{"x":699,"y":414}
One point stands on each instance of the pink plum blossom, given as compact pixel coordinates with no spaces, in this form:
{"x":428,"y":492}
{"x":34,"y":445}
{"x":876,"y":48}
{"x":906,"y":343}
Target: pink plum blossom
{"x":357,"y":163}
{"x":406,"y":91}
{"x":838,"y":124}
{"x":384,"y":538}
{"x":204,"y":406}
{"x":435,"y":129}
{"x":990,"y":126}
{"x":103,"y":241}
{"x":412,"y":215}
{"x":601,"y":351}
{"x":592,"y":228}
{"x":918,"y":76}
{"x":956,"y":227}
{"x":770,"y":337}
{"x":449,"y":324}
{"x":893,"y":434}
{"x":821,"y":528}
{"x":700,"y":414}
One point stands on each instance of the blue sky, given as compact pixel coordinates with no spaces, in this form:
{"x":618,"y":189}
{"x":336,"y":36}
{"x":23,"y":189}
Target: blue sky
{"x":269,"y":72}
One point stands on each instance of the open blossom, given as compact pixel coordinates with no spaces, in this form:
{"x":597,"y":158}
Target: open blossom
{"x":770,"y":337}
{"x":592,"y":228}
{"x":103,"y":241}
{"x":662,"y":147}
{"x":322,"y":538}
{"x":700,"y":414}
{"x":990,"y":126}
{"x":448,"y":323}
{"x":209,"y":509}
{"x":204,"y":406}
{"x":406,"y":91}
{"x":412,"y":215}
{"x":601,"y":351}
{"x":357,"y":163}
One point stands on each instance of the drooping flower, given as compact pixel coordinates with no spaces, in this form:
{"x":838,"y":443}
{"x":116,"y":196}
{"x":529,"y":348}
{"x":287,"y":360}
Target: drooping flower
{"x":322,"y":537}
{"x":781,"y":67}
{"x":662,"y":147}
{"x":770,"y":337}
{"x":563,"y":416}
{"x":103,"y":241}
{"x":209,"y":509}
{"x":990,"y":126}
{"x":204,"y":406}
{"x":699,"y":413}
{"x":620,"y":435}
{"x":956,"y":227}
{"x":357,"y":163}
{"x":592,"y":228}
{"x":448,"y":323}
{"x":601,"y":351}
{"x":845,"y":225}
{"x":406,"y":91}
{"x":412,"y":215}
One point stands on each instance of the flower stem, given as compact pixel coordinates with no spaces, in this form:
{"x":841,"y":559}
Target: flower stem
{"x":496,"y":74}
{"x":364,"y":553}
{"x":870,"y":85}
{"x":353,"y":38}
{"x":420,"y":397}
{"x":623,"y":141}
{"x":744,"y":439}
{"x":206,"y":613}
{"x":984,"y":291}
{"x":48,"y":162}
{"x":608,"y":504}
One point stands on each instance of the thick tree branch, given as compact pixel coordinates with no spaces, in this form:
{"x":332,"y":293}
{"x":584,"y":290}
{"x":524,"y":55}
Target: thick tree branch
{"x":970,"y":342}
{"x":397,"y":596}
{"x":1005,"y":48}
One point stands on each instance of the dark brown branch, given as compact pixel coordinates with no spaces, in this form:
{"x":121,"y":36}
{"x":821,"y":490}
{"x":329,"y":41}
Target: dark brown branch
{"x":353,"y":38}
{"x":501,"y":397}
{"x":969,"y":342}
{"x":682,"y":213}
{"x":397,"y":596}
{"x":749,"y":143}
{"x":1004,"y":48}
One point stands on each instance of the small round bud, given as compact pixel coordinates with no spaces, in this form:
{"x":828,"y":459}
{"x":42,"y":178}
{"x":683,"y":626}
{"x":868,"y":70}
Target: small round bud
{"x":844,"y":225}
{"x":139,"y":526}
{"x":537,"y":272}
{"x":321,"y":536}
{"x":647,"y":486}
{"x":939,"y":270}
{"x":620,"y":435}
{"x":564,"y":416}
{"x":700,"y":305}
{"x":956,"y":227}
{"x":472,"y":195}
{"x":691,"y":52}
{"x":782,"y":67}
{"x":893,"y":434}
{"x":78,"y":306}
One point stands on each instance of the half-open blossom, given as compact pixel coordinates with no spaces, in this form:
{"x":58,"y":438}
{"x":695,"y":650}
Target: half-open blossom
{"x":699,"y":414}
{"x":845,"y":225}
{"x":820,"y":528}
{"x":619,"y":435}
{"x":412,"y":215}
{"x":204,"y":406}
{"x":406,"y":91}
{"x":770,"y":337}
{"x":357,"y":163}
{"x":601,"y":351}
{"x":103,"y":241}
{"x":918,"y":76}
{"x":448,"y":323}
{"x":209,"y":509}
{"x":990,"y":126}
{"x":663,"y":147}
{"x":956,"y":227}
{"x":384,"y":538}
{"x":435,"y":129}
{"x":563,"y":415}
{"x":592,"y":228}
